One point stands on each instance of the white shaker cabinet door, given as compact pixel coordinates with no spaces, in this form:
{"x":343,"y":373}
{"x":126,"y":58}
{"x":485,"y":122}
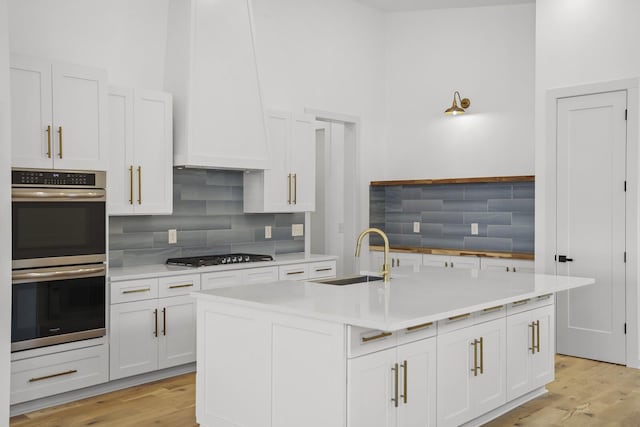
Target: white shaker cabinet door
{"x":120,"y":173}
{"x":489,"y":387}
{"x":134,"y":338}
{"x":177,"y":344}
{"x":79,"y":117}
{"x":303,"y":163}
{"x":542,"y":361}
{"x":31,"y":114}
{"x":277,"y":179}
{"x":153,"y":153}
{"x":520,"y":336}
{"x":417,"y":406}
{"x":371,"y":386}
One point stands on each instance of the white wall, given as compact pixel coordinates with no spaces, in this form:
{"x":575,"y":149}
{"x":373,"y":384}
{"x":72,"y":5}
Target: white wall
{"x":577,"y":43}
{"x":326,"y":55}
{"x":5,"y":218}
{"x":486,"y":53}
{"x":127,"y":37}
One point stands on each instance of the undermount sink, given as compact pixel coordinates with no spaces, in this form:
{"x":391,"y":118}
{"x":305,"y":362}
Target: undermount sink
{"x":350,"y":280}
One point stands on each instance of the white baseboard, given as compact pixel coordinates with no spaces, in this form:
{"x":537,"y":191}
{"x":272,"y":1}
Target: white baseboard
{"x":509,"y":406}
{"x":59,"y":399}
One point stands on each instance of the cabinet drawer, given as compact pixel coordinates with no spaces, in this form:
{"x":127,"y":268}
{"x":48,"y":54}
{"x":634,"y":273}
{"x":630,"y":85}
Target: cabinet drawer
{"x":178,"y":285}
{"x":417,"y":332}
{"x":318,"y":270}
{"x":294,"y":272}
{"x":57,"y":373}
{"x":530,"y":304}
{"x":490,"y":313}
{"x":134,"y":290}
{"x":259,"y":275}
{"x":365,"y":340}
{"x":221,"y":279}
{"x":456,"y":322}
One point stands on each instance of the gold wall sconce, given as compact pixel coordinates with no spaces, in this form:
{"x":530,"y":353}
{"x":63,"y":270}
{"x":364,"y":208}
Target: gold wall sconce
{"x":454,"y":110}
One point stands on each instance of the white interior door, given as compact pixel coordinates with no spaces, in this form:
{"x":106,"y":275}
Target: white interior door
{"x":590,"y":228}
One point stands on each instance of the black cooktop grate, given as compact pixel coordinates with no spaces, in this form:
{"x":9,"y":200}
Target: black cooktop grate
{"x":223,"y":259}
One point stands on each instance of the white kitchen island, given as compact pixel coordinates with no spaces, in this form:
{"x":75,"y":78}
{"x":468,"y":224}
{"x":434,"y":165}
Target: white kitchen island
{"x":433,"y":347}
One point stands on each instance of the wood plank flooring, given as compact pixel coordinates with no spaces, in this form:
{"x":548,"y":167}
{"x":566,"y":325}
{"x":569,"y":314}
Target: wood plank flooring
{"x":586,"y":393}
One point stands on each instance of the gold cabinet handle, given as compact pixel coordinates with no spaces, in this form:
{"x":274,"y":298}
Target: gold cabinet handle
{"x":155,"y":316}
{"x":492,"y":309}
{"x":405,"y":367}
{"x":418,"y":327}
{"x":521,"y":302}
{"x":60,"y":141}
{"x":376,"y":337}
{"x":393,"y":262}
{"x":460,"y":317}
{"x":291,"y":273}
{"x":139,"y":185}
{"x":135,"y":291}
{"x":451,"y":264}
{"x":398,"y":262}
{"x":46,"y":377}
{"x":474,"y":344}
{"x":324,"y":269}
{"x":289,"y":189}
{"x":532,"y":325}
{"x":514,"y":269}
{"x":507,"y":269}
{"x":537,"y":322}
{"x":546,"y":296}
{"x":446,"y":264}
{"x":164,"y":321}
{"x":481,"y":342}
{"x":295,"y":188}
{"x":131,"y":185}
{"x":49,"y":141}
{"x":395,"y":393}
{"x":186,"y":285}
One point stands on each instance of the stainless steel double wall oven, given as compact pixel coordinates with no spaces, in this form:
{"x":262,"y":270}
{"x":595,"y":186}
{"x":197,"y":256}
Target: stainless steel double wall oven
{"x":58,"y":257}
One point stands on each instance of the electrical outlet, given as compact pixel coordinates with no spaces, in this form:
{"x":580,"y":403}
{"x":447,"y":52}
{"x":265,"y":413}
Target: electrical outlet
{"x":173,"y":236}
{"x":474,"y":228}
{"x":297,"y":230}
{"x":416,"y":227}
{"x":267,"y":231}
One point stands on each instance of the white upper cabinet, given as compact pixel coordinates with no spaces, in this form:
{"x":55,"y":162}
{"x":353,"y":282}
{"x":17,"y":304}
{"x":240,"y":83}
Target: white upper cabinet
{"x":140,"y":178}
{"x":289,"y":185}
{"x":58,"y":115}
{"x":212,"y":72}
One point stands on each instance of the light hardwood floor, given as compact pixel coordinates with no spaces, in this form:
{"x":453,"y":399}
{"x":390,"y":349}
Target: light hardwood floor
{"x":585,"y":393}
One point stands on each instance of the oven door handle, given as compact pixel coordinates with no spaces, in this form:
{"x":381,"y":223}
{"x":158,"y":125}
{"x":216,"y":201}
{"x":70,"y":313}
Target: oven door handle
{"x":57,"y":273}
{"x":48,"y":194}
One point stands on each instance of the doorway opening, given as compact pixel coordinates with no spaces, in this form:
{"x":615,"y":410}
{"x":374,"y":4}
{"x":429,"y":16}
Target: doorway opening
{"x":333,"y":226}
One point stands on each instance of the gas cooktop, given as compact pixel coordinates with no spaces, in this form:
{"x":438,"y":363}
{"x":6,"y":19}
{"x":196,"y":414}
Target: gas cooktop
{"x":204,"y":260}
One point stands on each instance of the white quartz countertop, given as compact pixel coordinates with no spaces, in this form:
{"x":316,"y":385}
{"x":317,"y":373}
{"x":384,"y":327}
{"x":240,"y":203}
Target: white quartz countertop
{"x":413,"y":297}
{"x":161,"y":270}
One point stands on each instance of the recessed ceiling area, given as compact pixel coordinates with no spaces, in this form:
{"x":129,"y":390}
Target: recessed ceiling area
{"x":403,"y":5}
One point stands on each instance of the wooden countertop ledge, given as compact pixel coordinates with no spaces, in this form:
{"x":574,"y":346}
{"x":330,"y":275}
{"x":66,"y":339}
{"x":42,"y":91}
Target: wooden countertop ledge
{"x":456,"y":252}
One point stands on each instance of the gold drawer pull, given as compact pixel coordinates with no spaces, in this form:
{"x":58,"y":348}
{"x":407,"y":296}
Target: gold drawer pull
{"x":186,"y":285}
{"x":395,"y":393}
{"x":418,"y":327}
{"x":460,"y":316}
{"x":60,"y":141}
{"x":46,"y":377}
{"x":324,"y":269}
{"x":491,"y":309}
{"x":290,"y":273}
{"x":546,"y":296}
{"x":376,"y":337}
{"x":49,"y":141}
{"x":135,"y":291}
{"x":521,"y":302}
{"x":405,"y":367}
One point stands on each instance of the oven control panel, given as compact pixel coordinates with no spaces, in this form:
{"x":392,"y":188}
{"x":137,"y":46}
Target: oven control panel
{"x":53,"y":178}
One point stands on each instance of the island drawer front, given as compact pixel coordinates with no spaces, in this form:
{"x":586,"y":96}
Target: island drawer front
{"x":42,"y":376}
{"x":178,"y":285}
{"x":318,"y":270}
{"x":456,"y":322}
{"x":365,"y":340}
{"x":294,"y":272}
{"x":417,"y":332}
{"x":134,"y":290}
{"x":490,"y":313}
{"x":530,"y":304}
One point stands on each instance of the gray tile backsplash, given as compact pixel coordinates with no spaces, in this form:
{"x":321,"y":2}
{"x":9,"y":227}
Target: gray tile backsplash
{"x":504,"y":213}
{"x":207,"y":212}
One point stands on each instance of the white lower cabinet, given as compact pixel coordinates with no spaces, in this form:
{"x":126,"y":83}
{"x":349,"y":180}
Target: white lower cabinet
{"x":508,"y":265}
{"x":41,"y":376}
{"x":393,"y":387}
{"x":451,"y":261}
{"x":396,"y":259}
{"x":471,"y":372}
{"x":530,"y":355}
{"x":152,"y":333}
